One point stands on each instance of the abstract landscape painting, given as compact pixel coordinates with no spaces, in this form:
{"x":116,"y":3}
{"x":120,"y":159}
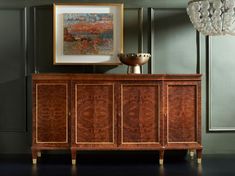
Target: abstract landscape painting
{"x":88,"y":33}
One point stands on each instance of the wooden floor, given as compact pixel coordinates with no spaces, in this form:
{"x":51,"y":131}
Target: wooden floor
{"x":116,"y":164}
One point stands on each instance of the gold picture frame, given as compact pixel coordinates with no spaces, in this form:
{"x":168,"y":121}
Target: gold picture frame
{"x":95,"y":34}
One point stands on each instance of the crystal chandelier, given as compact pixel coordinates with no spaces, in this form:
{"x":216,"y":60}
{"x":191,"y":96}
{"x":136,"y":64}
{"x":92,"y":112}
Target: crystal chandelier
{"x":212,"y":17}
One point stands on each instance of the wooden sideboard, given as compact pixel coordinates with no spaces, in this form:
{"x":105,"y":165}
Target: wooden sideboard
{"x":116,"y":112}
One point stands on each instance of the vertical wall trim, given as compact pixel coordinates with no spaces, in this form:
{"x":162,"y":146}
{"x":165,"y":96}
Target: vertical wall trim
{"x":198,"y":67}
{"x":141,"y":34}
{"x":151,"y":40}
{"x":208,"y":84}
{"x":26,"y":66}
{"x":25,"y":43}
{"x":34,"y":40}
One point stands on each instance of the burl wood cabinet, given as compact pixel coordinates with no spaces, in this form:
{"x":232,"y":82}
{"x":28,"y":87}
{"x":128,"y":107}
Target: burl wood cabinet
{"x":116,"y":112}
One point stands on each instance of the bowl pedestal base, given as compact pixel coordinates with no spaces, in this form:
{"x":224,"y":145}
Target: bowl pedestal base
{"x":134,"y":69}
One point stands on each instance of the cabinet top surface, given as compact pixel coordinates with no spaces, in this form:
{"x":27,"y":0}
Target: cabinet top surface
{"x":73,"y":76}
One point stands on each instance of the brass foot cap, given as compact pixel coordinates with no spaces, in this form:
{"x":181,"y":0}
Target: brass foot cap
{"x":73,"y":162}
{"x":191,"y":153}
{"x":161,"y":162}
{"x":199,"y":161}
{"x":34,"y":161}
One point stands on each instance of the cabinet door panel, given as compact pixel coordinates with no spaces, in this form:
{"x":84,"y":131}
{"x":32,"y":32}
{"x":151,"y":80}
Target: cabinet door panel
{"x":140,"y":106}
{"x":51,"y":113}
{"x":94,"y":113}
{"x":182,"y":117}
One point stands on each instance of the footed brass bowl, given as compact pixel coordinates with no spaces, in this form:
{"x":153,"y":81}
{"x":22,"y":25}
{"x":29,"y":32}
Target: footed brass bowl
{"x":134,"y":61}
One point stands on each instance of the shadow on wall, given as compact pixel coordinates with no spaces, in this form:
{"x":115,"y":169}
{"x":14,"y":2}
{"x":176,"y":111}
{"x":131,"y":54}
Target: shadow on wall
{"x":168,"y":20}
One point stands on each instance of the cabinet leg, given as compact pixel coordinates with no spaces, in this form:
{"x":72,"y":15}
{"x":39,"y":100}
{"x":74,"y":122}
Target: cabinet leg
{"x":39,"y":154}
{"x":199,"y":156}
{"x":191,"y":153}
{"x":161,"y":157}
{"x":34,"y":156}
{"x":74,"y":155}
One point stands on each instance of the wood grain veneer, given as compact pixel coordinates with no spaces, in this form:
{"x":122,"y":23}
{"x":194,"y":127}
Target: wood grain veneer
{"x":94,"y":113}
{"x":116,"y":112}
{"x":51,"y":113}
{"x":140,"y":114}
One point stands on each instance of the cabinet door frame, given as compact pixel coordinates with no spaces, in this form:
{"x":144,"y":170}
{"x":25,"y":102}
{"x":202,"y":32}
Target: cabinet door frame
{"x":90,"y":145}
{"x":196,"y":144}
{"x":141,"y":145}
{"x":50,"y":144}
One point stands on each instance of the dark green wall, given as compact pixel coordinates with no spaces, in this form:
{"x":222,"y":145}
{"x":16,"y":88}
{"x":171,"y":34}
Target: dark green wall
{"x":161,"y":27}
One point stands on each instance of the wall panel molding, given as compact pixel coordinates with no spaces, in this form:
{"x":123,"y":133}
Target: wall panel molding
{"x":139,"y":29}
{"x":140,"y":19}
{"x":210,"y":96}
{"x":35,"y":10}
{"x":15,"y":55}
{"x":153,"y":22}
{"x":141,"y":33}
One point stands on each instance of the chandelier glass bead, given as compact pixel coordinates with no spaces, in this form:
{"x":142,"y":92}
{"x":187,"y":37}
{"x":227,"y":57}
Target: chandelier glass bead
{"x":212,"y":17}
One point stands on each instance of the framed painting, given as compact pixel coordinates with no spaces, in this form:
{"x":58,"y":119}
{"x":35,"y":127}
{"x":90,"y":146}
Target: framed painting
{"x":87,"y":33}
